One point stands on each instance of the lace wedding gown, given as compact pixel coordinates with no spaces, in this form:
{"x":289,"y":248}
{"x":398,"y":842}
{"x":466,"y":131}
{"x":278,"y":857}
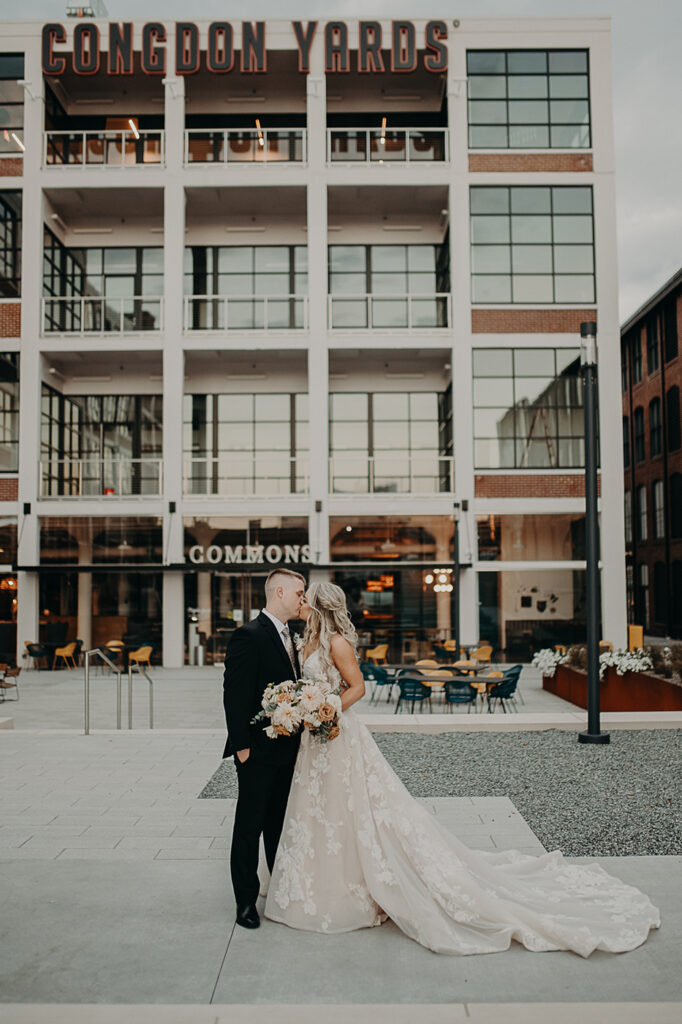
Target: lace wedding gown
{"x":357,"y":848}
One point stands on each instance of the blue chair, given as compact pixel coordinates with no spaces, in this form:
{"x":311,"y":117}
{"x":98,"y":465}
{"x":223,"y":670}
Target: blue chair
{"x":412,"y":690}
{"x":460,"y":692}
{"x":441,"y":653}
{"x":376,"y":677}
{"x":505,"y":690}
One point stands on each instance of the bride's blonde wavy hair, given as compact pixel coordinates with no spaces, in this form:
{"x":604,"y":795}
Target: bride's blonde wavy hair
{"x":328,"y":618}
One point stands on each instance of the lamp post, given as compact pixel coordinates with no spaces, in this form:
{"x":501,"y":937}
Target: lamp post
{"x":588,"y":364}
{"x":456,"y":615}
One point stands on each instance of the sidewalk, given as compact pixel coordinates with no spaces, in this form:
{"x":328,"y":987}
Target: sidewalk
{"x":114,"y":891}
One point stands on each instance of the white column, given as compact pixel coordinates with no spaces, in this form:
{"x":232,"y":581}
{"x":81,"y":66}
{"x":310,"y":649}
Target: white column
{"x":318,"y":354}
{"x":28,"y":610}
{"x":173,"y":374}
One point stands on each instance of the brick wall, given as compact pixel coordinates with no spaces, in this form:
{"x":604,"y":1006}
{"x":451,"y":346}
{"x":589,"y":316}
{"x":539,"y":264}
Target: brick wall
{"x":10,"y":319}
{"x":12,"y":166}
{"x":529,"y":321}
{"x":530,"y":161}
{"x":9,"y":488}
{"x":530,"y":485}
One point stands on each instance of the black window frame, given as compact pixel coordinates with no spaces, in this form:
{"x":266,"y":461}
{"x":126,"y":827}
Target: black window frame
{"x":655,"y":428}
{"x":11,"y":202}
{"x":639,"y":434}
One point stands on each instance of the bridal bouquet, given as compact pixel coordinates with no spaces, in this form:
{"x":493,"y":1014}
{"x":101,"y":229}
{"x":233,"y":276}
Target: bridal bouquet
{"x":299,"y":704}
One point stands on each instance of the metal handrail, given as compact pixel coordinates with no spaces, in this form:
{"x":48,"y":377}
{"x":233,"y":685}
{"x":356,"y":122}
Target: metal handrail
{"x":107,"y":307}
{"x":76,"y":476}
{"x":124,"y":140}
{"x":223,"y":467}
{"x":378,"y":143}
{"x":219,"y":308}
{"x":141,"y":671}
{"x":255,"y":146}
{"x":444,"y":471}
{"x":371,"y":299}
{"x":102,"y":655}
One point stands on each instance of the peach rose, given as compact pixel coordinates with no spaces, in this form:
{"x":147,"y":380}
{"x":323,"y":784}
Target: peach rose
{"x":334,"y":732}
{"x":326,"y":713}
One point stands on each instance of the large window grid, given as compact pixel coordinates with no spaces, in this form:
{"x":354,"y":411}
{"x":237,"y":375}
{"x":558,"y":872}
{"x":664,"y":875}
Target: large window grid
{"x":528,"y":409}
{"x":246,"y":444}
{"x":246,"y":287}
{"x":390,"y":442}
{"x":532,"y":244}
{"x":529,"y":99}
{"x":658,"y":509}
{"x":101,"y":444}
{"x":11,"y":104}
{"x":117,"y":288}
{"x":9,"y":412}
{"x":389,"y":286}
{"x":10,"y":244}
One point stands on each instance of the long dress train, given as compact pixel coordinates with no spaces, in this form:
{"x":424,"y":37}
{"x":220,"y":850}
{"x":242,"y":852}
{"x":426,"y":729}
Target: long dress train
{"x":356,"y":848}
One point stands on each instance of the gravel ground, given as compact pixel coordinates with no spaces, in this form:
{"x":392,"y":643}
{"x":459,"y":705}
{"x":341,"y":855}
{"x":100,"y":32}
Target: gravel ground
{"x":619,"y":800}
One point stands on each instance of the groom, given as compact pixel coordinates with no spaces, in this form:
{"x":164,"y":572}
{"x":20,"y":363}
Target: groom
{"x":260,"y":653}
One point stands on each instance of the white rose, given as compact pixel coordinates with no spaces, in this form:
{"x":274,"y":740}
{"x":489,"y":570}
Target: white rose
{"x":335,"y":701}
{"x":287,"y":716}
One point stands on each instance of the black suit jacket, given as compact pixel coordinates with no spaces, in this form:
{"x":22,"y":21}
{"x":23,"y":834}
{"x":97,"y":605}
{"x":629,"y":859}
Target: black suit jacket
{"x":255,"y":658}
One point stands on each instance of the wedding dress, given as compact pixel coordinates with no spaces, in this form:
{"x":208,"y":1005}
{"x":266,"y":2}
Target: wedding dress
{"x":357,"y":848}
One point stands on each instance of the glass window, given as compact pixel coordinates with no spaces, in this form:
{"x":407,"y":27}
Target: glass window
{"x":531,"y":538}
{"x":9,"y":413}
{"x":532,"y":416}
{"x":11,"y":104}
{"x":659,"y":509}
{"x":642,"y":530}
{"x":674,"y":418}
{"x":551,"y":255}
{"x":655,"y":428}
{"x":507,"y":99}
{"x":639,"y":434}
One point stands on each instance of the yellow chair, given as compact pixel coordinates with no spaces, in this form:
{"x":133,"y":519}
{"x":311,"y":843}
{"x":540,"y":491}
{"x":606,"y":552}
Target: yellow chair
{"x":377,"y":655}
{"x":66,"y":653}
{"x":141,"y":656}
{"x":605,"y":645}
{"x":635,"y":638}
{"x":482,"y":654}
{"x":426,"y":663}
{"x":559,"y":648}
{"x":450,"y":645}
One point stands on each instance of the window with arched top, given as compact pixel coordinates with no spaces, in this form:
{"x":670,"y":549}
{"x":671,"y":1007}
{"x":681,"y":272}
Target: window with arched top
{"x":639,"y":434}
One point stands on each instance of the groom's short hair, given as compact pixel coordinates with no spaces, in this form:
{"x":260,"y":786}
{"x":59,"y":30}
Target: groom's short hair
{"x":271,"y":583}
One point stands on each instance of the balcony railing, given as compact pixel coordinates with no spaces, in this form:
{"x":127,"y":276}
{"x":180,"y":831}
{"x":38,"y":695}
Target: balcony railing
{"x":384,"y":146}
{"x":92,"y":477}
{"x":239,"y":146}
{"x":246,"y":313}
{"x":246,"y":475}
{"x":391,"y":474}
{"x":96,"y":314}
{"x":104,"y":149}
{"x":390,"y":312}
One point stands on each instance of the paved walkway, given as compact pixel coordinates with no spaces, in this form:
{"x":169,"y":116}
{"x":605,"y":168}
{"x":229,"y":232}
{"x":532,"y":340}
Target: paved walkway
{"x":114,"y":891}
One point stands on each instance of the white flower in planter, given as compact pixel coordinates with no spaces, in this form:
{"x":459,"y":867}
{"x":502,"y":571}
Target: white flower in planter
{"x":547,"y":661}
{"x":624,"y":661}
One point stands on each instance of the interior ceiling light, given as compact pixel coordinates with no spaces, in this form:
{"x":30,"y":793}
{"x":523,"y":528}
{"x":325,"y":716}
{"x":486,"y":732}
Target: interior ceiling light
{"x":382,"y":140}
{"x":261,"y":140}
{"x":133,"y":128}
{"x":19,"y":143}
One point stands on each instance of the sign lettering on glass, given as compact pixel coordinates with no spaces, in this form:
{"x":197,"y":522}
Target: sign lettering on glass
{"x":255,"y":554}
{"x":216,"y":47}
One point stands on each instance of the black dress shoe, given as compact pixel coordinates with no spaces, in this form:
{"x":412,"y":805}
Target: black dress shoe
{"x":247,"y":916}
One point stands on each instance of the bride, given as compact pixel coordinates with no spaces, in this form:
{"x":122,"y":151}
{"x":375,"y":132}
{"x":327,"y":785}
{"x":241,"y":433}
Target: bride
{"x":357,"y":849}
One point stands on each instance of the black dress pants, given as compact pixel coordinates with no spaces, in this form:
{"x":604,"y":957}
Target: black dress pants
{"x":261,"y":806}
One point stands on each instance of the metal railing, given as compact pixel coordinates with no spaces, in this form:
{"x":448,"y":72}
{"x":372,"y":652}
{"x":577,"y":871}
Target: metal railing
{"x":265,"y":475}
{"x":240,"y":146}
{"x":391,"y":474}
{"x":141,"y":670}
{"x":98,"y":314}
{"x":101,"y":477}
{"x":388,"y":145}
{"x":246,"y":313}
{"x":113,"y":148}
{"x":390,"y":312}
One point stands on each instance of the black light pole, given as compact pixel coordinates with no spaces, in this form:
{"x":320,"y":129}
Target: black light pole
{"x":588,"y":363}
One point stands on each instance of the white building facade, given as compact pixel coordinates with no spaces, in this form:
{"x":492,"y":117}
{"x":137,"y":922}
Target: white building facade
{"x":305,"y":294}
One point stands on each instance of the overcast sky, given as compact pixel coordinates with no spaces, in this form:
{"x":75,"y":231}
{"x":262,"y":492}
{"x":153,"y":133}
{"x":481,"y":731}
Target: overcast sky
{"x":647,"y":90}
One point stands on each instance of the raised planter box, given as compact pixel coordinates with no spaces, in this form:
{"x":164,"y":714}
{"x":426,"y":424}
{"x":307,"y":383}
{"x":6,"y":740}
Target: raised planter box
{"x":634,"y":691}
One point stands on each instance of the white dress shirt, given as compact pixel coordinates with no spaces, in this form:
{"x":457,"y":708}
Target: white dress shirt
{"x":279,"y":626}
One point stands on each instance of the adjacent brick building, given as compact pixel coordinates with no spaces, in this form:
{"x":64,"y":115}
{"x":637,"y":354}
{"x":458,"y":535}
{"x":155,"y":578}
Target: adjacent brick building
{"x":652,"y":451}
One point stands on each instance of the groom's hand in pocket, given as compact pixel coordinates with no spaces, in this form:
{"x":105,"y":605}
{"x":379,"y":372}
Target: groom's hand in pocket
{"x":243,"y":755}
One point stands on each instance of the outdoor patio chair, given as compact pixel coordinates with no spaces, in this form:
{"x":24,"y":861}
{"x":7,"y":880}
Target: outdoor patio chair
{"x":141,"y":656}
{"x":66,"y":654}
{"x":36,"y":653}
{"x":505,"y":690}
{"x":412,"y":691}
{"x":376,"y":677}
{"x":377,"y":654}
{"x":482,"y":655}
{"x":460,"y":693}
{"x":441,"y":652}
{"x":6,"y":686}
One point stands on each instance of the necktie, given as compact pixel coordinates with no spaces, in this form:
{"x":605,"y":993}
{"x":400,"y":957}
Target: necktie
{"x":289,"y":646}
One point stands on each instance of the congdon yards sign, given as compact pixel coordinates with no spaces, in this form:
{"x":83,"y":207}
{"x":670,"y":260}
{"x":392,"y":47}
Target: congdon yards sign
{"x":215,"y":52}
